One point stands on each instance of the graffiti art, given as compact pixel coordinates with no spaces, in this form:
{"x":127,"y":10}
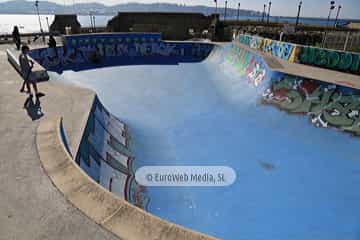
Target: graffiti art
{"x":283,"y":50}
{"x":86,"y":52}
{"x":105,"y":155}
{"x":247,"y":65}
{"x":326,"y":105}
{"x":324,"y":58}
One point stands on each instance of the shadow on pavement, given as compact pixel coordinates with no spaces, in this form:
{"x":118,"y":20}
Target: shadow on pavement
{"x":33,"y":109}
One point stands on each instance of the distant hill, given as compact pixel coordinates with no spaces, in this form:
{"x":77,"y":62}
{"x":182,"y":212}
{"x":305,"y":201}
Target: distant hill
{"x":27,"y":7}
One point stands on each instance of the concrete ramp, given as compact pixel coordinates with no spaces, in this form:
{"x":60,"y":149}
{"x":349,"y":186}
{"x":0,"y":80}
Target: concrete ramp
{"x":291,"y":139}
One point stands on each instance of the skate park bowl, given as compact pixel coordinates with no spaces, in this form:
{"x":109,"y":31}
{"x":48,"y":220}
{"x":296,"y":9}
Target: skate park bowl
{"x":284,"y":117}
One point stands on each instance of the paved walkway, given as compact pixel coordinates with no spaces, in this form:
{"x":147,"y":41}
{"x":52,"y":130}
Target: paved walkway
{"x":30,"y":206}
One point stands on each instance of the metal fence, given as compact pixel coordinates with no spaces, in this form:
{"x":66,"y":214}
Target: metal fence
{"x":346,"y":41}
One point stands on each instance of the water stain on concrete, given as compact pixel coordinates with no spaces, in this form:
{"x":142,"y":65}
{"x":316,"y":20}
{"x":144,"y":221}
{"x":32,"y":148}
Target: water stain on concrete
{"x":267,"y":166}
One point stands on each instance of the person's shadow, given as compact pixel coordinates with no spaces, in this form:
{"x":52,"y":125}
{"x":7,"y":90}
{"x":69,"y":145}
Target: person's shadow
{"x":33,"y":109}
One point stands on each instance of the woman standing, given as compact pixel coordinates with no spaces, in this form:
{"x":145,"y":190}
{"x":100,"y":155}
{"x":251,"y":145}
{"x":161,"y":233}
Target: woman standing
{"x":26,"y":66}
{"x":16,"y":37}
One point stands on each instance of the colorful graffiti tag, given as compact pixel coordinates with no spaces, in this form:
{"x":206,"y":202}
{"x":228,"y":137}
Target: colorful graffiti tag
{"x":343,"y":61}
{"x":324,"y":58}
{"x":93,"y":51}
{"x":247,"y":65}
{"x":77,"y":41}
{"x":282,"y":50}
{"x":327,"y":105}
{"x":105,"y":156}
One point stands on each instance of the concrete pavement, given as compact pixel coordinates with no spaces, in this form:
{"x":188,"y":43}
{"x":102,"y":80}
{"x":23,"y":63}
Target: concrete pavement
{"x":30,"y":206}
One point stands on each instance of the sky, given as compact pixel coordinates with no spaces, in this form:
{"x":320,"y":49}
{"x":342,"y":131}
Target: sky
{"x":311,"y":8}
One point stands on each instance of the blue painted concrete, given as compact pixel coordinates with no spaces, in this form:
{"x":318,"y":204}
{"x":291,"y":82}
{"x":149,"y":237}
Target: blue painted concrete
{"x":90,"y":51}
{"x":294,"y":181}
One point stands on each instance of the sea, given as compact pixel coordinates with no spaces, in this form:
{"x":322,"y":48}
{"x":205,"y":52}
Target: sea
{"x":30,"y":23}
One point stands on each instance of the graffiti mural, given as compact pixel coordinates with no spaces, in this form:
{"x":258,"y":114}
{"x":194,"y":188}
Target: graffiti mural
{"x":245,"y":39}
{"x":104,"y":154}
{"x":93,"y":51}
{"x":283,"y":50}
{"x":77,"y":41}
{"x":255,"y":72}
{"x":247,"y":65}
{"x":342,"y":61}
{"x":326,"y":105}
{"x":324,"y":58}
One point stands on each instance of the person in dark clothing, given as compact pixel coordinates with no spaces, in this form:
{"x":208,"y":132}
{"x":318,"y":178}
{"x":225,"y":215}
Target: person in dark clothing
{"x":16,"y":37}
{"x":52,"y":42}
{"x":52,"y":45}
{"x":26,"y":66}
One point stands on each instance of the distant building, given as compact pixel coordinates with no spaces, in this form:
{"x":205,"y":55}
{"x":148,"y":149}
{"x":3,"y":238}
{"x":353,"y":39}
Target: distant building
{"x":172,"y":26}
{"x":62,"y":21}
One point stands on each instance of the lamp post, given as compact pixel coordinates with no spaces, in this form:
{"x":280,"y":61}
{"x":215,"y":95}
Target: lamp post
{"x":263,"y":15}
{"x":216,"y":9}
{"x":298,"y":14}
{"x":38,"y":13}
{"x":337,"y":16}
{"x":47,"y":22}
{"x":225,"y":10}
{"x":332,"y":7}
{"x":268,"y":16}
{"x":91,"y":21}
{"x":238,"y":12}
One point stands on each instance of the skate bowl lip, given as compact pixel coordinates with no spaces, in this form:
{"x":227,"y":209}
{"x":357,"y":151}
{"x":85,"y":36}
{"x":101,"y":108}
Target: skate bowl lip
{"x":276,"y":64}
{"x":106,"y":209}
